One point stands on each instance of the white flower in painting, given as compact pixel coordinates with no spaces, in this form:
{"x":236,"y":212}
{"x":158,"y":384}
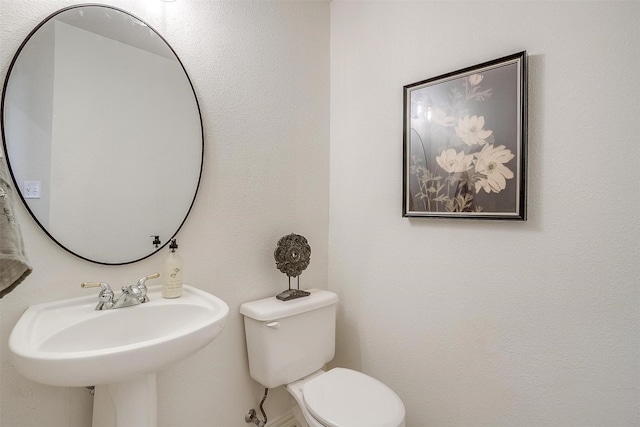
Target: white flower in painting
{"x":441,"y":118}
{"x":453,"y":162}
{"x":475,"y":79}
{"x":490,"y":163}
{"x":470,"y":130}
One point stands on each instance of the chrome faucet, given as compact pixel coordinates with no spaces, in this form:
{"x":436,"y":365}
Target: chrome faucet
{"x":131,"y":295}
{"x":105,"y":297}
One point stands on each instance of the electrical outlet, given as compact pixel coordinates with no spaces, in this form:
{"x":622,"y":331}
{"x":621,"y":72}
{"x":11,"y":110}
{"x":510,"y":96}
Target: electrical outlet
{"x":31,"y":190}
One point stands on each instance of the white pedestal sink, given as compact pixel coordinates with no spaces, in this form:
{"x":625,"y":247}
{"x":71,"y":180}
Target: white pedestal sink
{"x":68,"y":343}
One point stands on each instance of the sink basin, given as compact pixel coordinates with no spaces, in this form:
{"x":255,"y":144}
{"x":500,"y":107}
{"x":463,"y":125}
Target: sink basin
{"x":68,"y":343}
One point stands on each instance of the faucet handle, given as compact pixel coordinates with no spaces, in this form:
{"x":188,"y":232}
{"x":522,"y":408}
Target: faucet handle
{"x":143,"y":288}
{"x":105,"y":297}
{"x":145,"y":278}
{"x":104,"y":286}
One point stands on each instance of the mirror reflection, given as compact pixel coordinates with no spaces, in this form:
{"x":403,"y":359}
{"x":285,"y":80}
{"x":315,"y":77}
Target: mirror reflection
{"x":102,"y":133}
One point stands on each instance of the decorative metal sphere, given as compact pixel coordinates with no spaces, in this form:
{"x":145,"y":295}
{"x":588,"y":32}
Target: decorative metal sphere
{"x":292,"y":254}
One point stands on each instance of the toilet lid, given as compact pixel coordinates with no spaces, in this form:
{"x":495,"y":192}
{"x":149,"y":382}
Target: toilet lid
{"x":346,"y":398}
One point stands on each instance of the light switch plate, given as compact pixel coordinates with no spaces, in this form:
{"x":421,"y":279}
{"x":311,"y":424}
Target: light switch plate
{"x":31,"y":190}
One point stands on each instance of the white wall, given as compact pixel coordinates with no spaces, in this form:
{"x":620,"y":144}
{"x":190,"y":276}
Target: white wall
{"x":261,"y":73}
{"x":493,"y":323}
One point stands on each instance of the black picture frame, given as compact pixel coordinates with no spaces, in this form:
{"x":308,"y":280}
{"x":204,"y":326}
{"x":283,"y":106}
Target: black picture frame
{"x":465,"y":142}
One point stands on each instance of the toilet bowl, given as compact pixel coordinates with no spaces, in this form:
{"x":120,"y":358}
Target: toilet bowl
{"x":345,"y":398}
{"x":288,"y":343}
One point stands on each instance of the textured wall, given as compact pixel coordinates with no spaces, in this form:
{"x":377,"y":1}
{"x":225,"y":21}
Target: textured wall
{"x":261,"y":73}
{"x":493,"y":323}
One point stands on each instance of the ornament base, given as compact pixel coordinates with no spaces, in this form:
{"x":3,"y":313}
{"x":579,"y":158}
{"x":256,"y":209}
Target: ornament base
{"x":290,"y":294}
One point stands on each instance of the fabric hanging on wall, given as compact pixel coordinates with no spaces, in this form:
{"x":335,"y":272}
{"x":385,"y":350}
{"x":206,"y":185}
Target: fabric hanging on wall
{"x":14,"y":265}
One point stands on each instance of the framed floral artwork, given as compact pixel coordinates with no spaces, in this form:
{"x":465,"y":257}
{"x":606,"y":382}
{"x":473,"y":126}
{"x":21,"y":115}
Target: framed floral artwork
{"x":465,"y":136}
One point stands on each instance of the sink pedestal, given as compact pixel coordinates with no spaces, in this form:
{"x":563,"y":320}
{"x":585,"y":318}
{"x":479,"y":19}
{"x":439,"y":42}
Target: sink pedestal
{"x":126,"y":404}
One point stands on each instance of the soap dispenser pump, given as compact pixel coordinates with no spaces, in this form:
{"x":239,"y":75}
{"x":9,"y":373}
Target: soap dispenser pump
{"x":172,"y":273}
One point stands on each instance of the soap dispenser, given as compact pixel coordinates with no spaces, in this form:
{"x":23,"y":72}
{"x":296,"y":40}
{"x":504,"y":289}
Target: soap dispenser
{"x":172,"y":273}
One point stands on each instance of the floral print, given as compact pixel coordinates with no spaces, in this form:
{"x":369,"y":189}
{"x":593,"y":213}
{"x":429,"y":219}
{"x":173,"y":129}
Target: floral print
{"x":490,"y":165}
{"x":454,"y":162}
{"x":475,"y":79}
{"x":469,"y":165}
{"x":470,"y":130}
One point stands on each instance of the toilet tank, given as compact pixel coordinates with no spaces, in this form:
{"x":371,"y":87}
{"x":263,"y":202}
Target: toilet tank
{"x":287,"y":340}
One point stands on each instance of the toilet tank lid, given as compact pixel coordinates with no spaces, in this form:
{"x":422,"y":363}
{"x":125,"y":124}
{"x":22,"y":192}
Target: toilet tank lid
{"x":269,"y":309}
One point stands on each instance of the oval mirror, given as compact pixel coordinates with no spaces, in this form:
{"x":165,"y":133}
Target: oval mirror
{"x":103,"y":134}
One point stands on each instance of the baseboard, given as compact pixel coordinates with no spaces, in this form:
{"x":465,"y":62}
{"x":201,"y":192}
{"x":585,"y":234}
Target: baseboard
{"x":285,"y":420}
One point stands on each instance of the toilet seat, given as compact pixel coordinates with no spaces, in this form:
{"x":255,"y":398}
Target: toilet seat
{"x":345,"y":398}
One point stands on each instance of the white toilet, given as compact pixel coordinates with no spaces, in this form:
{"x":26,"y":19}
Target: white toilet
{"x":288,"y":343}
